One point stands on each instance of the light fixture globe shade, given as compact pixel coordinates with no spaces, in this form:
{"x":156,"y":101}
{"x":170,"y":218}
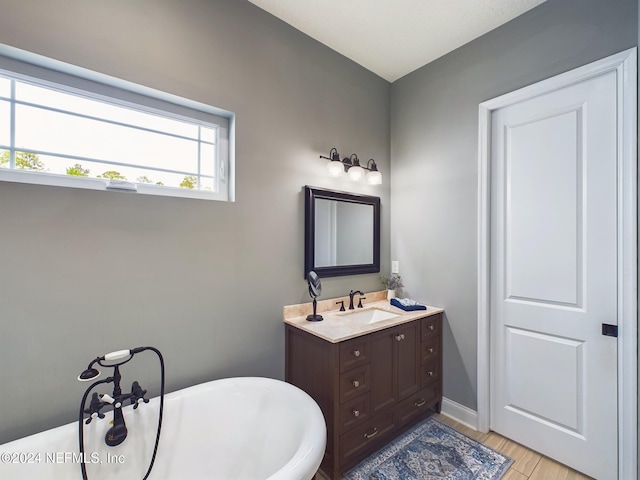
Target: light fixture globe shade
{"x":356,"y":173}
{"x":335,"y":168}
{"x":374,"y":178}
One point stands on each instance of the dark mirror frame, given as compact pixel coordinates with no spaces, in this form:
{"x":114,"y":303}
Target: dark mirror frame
{"x":313,"y":193}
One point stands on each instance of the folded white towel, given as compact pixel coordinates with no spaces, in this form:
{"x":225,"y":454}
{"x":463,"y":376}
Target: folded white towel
{"x":407,"y":302}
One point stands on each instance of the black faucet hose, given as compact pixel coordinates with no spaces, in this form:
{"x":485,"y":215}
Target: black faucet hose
{"x":109,"y":380}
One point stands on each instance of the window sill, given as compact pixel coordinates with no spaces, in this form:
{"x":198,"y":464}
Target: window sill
{"x":48,"y":179}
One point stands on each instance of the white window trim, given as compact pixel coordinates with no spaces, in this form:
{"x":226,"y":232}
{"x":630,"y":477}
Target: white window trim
{"x":78,"y":80}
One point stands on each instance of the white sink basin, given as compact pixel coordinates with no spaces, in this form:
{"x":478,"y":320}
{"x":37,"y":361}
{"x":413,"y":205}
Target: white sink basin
{"x":370,"y":315}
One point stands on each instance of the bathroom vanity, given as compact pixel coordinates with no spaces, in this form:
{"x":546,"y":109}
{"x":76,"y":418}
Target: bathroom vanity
{"x":374,"y":372}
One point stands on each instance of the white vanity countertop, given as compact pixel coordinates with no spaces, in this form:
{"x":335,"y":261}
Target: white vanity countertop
{"x":336,"y":326}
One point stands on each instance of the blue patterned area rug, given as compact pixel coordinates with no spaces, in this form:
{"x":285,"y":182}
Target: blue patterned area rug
{"x":432,"y":450}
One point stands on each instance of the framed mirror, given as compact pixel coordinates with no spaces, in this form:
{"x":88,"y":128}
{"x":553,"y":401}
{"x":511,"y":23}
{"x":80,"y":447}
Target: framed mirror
{"x":342,"y":233}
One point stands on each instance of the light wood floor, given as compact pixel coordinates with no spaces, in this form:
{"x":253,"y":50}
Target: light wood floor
{"x":527,"y":464}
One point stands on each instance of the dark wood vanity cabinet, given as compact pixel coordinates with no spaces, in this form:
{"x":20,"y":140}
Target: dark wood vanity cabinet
{"x":370,"y":388}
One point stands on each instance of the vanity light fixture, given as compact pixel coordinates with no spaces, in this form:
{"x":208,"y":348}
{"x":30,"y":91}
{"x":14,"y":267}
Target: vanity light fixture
{"x":351,"y":165}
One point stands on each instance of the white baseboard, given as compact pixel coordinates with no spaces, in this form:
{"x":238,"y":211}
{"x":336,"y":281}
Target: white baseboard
{"x":459,"y":413}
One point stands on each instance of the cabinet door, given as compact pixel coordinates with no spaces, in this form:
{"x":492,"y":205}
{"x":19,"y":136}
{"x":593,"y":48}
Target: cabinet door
{"x":383,"y":367}
{"x":395,"y":358}
{"x":408,"y":354}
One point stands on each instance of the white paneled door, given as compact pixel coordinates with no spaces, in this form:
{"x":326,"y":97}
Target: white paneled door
{"x":554,"y":271}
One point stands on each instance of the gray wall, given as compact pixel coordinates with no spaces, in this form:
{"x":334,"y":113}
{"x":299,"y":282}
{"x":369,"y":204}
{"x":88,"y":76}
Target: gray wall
{"x":434,"y":135}
{"x":83,"y":273}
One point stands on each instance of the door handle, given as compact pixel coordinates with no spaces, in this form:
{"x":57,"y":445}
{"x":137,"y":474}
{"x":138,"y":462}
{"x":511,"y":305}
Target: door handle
{"x":609,"y":330}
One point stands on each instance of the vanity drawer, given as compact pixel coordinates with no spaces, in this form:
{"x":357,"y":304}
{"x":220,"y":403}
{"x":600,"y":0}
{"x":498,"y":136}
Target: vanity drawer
{"x":431,"y":326}
{"x":355,"y":382}
{"x":354,"y":353}
{"x":429,"y":349}
{"x":355,"y":412}
{"x":430,"y":372}
{"x":360,"y":438}
{"x":417,"y":403}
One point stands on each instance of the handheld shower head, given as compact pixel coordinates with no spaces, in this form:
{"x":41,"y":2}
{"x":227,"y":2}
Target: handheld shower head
{"x":89,"y":374}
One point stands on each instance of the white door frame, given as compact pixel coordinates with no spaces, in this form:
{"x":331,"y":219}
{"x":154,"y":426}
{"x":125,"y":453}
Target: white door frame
{"x":624,"y":64}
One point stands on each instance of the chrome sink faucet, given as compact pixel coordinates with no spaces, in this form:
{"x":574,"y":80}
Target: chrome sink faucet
{"x":351,"y":295}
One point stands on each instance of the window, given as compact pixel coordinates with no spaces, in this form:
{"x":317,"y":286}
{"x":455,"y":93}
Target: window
{"x":63,"y":129}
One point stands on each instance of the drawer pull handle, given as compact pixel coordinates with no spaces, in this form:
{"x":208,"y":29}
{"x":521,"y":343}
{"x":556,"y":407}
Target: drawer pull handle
{"x":356,"y":353}
{"x":432,"y":327}
{"x":420,"y":402}
{"x":430,"y":374}
{"x":400,"y":337}
{"x":356,"y":413}
{"x":372,"y":434}
{"x":430,"y":350}
{"x":355,"y":383}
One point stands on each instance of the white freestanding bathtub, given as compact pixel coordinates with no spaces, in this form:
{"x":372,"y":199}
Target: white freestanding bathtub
{"x":245,"y":428}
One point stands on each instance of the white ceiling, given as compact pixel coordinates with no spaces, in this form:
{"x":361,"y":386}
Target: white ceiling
{"x":394,"y":37}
